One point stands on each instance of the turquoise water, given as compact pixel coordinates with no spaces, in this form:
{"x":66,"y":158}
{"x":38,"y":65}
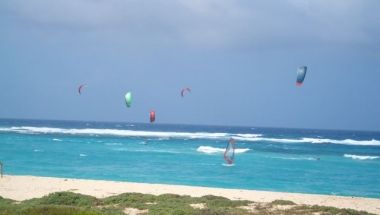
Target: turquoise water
{"x":290,"y":160}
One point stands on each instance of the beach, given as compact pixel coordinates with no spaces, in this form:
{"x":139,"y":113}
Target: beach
{"x":26,"y":187}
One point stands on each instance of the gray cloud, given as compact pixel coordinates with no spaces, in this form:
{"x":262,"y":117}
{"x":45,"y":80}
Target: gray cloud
{"x":212,"y":22}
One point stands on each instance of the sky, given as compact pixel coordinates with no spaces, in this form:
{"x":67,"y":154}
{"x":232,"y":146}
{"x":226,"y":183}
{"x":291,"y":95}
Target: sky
{"x":238,"y":57}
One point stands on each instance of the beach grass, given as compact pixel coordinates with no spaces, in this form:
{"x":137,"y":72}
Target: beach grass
{"x":282,"y":202}
{"x":137,"y":203}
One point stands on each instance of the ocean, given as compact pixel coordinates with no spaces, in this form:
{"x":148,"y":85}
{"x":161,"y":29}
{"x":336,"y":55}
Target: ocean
{"x":274,"y":159}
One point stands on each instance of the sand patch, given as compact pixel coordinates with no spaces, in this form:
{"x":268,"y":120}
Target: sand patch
{"x":250,"y":208}
{"x":198,"y":206}
{"x":134,"y":211}
{"x":283,"y":207}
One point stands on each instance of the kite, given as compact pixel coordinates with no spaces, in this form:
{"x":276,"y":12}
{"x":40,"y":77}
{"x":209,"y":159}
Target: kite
{"x":152,"y":116}
{"x":128,"y":99}
{"x":301,"y":73}
{"x":80,"y":88}
{"x":184,"y":90}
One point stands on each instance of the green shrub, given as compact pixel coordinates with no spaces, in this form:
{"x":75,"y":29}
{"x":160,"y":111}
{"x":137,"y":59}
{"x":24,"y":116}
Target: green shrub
{"x":171,"y":207}
{"x":282,"y":202}
{"x":65,"y":203}
{"x":57,"y":210}
{"x":64,"y":198}
{"x":135,"y":200}
{"x":4,"y":201}
{"x":217,"y":201}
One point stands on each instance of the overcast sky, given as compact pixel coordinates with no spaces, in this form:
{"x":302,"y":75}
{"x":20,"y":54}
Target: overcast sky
{"x":239,"y":58}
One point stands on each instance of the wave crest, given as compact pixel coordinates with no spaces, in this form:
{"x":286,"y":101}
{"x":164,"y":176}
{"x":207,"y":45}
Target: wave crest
{"x":130,"y":133}
{"x":372,"y":142}
{"x":360,"y":157}
{"x":165,"y":135}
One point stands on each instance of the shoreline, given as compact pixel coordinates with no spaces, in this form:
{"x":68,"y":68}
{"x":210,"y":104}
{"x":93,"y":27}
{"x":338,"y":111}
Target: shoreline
{"x":26,"y":187}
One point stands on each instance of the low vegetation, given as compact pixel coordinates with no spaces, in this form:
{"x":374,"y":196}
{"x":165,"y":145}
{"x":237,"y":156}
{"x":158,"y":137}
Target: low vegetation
{"x":65,"y":203}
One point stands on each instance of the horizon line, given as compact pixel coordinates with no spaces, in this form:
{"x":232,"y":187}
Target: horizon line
{"x":189,"y":124}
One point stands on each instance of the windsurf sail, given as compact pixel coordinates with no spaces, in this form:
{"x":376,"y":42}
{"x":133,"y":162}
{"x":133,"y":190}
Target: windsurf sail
{"x":301,"y":73}
{"x":229,"y":153}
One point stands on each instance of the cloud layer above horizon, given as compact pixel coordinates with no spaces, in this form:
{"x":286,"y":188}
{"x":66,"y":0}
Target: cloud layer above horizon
{"x":209,"y":22}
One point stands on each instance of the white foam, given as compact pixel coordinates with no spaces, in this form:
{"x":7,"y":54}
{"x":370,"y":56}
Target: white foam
{"x":299,"y":158}
{"x":248,"y":135}
{"x":210,"y":150}
{"x":213,"y":150}
{"x":279,"y":140}
{"x":82,"y":155}
{"x":183,"y":135}
{"x":38,"y":150}
{"x":130,"y":133}
{"x":361,"y":157}
{"x":372,"y":142}
{"x":58,"y":140}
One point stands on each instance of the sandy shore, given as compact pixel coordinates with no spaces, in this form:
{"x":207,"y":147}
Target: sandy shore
{"x":26,"y":187}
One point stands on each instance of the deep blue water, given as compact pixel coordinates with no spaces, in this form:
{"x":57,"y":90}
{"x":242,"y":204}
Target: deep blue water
{"x":290,"y":160}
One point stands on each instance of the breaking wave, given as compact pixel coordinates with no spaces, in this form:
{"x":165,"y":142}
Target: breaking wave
{"x":299,"y":158}
{"x":163,"y":135}
{"x":130,"y":133}
{"x":372,"y":142}
{"x":213,"y":150}
{"x":361,"y":157}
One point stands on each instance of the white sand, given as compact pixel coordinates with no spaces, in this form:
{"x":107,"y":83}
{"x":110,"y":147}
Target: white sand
{"x":27,"y":187}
